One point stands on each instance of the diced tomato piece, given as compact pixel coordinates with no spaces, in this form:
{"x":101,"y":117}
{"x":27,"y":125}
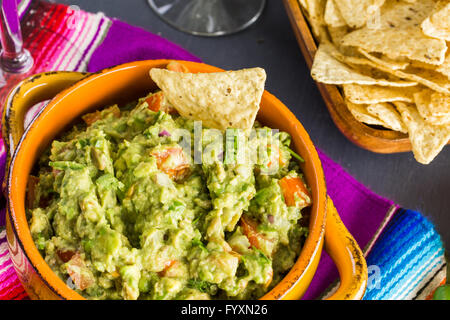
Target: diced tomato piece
{"x":157,"y":103}
{"x":177,"y":67}
{"x":44,"y":200}
{"x":92,"y":117}
{"x":294,"y":187}
{"x":65,"y":256}
{"x":256,"y":239}
{"x":31,"y":190}
{"x":169,"y":264}
{"x":249,"y":228}
{"x":79,"y":273}
{"x":173,"y":161}
{"x":154,"y":101}
{"x":115,"y":111}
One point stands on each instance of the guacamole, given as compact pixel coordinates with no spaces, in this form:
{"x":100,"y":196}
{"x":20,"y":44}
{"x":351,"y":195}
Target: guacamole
{"x":120,"y":209}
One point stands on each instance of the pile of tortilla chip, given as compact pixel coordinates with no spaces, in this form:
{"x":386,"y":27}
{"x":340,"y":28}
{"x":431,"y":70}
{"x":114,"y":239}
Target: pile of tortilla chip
{"x":391,"y":60}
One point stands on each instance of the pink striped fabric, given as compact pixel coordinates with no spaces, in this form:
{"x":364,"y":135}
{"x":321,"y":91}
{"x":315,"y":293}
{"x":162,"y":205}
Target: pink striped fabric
{"x":65,"y":40}
{"x":10,"y":287}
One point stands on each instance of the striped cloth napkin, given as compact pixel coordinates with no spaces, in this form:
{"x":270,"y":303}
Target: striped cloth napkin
{"x":404,"y":253}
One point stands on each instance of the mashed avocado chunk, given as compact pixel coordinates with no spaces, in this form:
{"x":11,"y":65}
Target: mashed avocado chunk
{"x":120,"y":208}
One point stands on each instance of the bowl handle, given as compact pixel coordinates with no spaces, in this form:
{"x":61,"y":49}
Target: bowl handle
{"x":348,"y":257}
{"x":32,"y":90}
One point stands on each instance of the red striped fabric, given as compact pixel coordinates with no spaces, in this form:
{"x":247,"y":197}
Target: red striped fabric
{"x":58,"y":38}
{"x":10,"y":286}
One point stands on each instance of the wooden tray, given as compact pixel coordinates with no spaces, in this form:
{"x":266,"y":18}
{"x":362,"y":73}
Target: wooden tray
{"x":376,"y":140}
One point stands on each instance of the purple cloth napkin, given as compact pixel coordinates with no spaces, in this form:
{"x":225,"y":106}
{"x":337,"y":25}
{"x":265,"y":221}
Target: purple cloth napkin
{"x":125,"y":43}
{"x":361,"y":210}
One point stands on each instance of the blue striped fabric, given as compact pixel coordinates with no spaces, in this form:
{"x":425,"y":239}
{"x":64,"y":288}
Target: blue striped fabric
{"x":405,"y":258}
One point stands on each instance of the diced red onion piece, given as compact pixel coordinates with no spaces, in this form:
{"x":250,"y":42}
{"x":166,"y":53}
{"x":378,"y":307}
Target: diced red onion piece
{"x":164,"y":133}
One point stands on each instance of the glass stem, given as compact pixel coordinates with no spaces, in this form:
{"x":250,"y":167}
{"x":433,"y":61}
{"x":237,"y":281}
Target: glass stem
{"x":14,"y":58}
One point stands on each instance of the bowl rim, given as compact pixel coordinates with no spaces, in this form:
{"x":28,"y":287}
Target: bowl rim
{"x":311,"y":247}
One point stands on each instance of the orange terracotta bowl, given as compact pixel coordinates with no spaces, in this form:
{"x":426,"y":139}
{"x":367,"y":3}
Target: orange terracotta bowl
{"x":74,"y":94}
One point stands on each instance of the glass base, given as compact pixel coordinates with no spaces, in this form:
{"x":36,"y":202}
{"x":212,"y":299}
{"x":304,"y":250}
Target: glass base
{"x":20,"y":64}
{"x":209,"y":17}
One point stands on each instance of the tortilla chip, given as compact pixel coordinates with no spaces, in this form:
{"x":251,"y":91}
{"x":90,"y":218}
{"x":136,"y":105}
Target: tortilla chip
{"x":437,"y":25}
{"x":428,"y":78}
{"x":332,"y":15}
{"x":407,"y":42}
{"x":357,"y":12}
{"x":359,"y":111}
{"x":399,"y":14}
{"x":221,"y":100}
{"x":433,"y":106}
{"x":336,"y":34}
{"x":445,"y":67}
{"x":385,"y":61}
{"x":390,"y":117}
{"x":303,"y":3}
{"x":327,"y":69}
{"x":316,"y":11}
{"x":375,"y":94}
{"x":423,"y":65}
{"x":427,"y":140}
